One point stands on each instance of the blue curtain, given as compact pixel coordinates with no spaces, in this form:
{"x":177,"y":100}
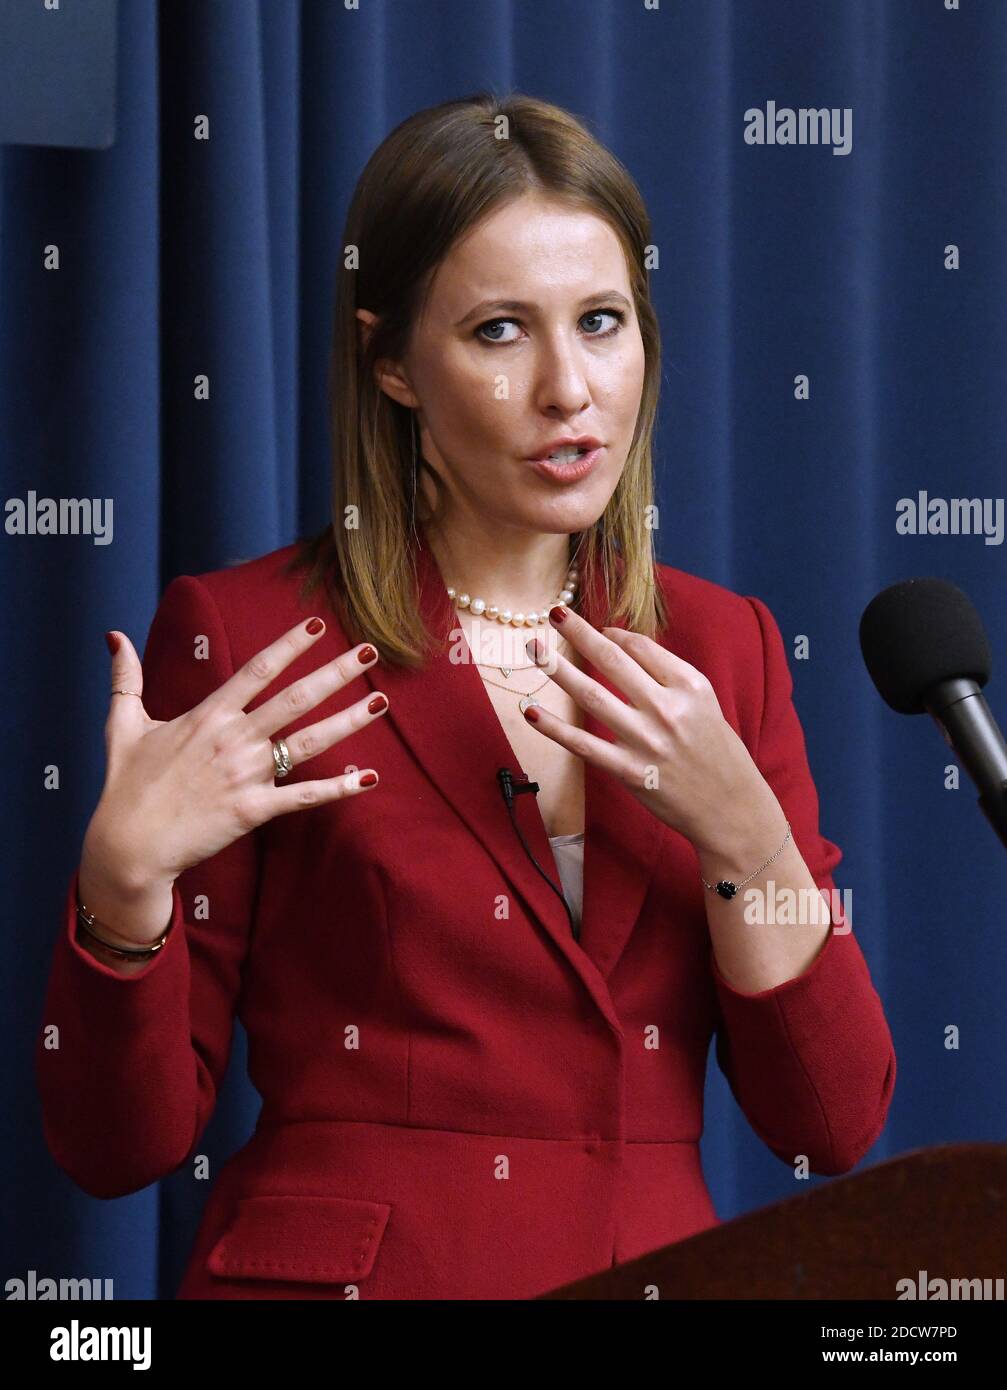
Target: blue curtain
{"x":777,"y":263}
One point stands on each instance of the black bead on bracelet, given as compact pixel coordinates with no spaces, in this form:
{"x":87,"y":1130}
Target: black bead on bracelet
{"x":727,"y":889}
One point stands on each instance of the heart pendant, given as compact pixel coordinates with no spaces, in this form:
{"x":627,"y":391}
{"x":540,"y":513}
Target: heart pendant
{"x":505,"y":672}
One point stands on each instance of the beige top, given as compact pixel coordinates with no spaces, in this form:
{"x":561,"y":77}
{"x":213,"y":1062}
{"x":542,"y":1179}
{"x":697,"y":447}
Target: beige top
{"x":568,"y":851}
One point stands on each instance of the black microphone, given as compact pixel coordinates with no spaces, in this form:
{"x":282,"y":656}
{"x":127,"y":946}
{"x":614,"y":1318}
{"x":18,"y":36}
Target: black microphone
{"x":511,"y":787}
{"x":926,"y":650}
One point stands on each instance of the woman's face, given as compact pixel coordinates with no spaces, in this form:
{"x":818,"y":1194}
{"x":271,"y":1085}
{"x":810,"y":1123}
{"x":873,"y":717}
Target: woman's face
{"x":529,"y":336}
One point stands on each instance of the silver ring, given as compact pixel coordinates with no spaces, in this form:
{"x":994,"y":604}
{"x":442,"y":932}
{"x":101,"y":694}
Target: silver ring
{"x":281,"y":758}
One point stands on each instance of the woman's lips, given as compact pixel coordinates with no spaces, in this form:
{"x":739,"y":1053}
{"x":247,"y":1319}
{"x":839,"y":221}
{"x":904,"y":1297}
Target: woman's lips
{"x":567,"y":472}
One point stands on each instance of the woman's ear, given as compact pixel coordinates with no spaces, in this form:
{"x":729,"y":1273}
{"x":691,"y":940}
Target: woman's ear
{"x":389,"y":376}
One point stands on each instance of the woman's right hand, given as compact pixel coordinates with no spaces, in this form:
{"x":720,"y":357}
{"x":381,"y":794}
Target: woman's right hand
{"x":178,"y":792}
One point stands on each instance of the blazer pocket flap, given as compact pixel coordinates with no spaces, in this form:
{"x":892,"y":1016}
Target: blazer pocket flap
{"x":307,"y":1239}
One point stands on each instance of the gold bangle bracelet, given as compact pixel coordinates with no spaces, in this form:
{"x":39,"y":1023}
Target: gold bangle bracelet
{"x":87,"y":921}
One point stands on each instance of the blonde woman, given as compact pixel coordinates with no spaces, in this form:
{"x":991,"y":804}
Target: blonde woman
{"x":459,"y":804}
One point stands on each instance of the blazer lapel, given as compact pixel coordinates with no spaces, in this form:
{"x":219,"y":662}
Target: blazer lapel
{"x":445,"y":716}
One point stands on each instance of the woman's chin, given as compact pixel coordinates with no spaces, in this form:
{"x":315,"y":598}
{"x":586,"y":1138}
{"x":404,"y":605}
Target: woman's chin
{"x":576,"y":508}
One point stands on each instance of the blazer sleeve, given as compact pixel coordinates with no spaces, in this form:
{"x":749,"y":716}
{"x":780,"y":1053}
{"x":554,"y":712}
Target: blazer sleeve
{"x":811,"y":1062}
{"x":128,"y":1066}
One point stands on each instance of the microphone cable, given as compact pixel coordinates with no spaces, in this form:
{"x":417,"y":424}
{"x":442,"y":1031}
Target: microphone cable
{"x":510,"y":787}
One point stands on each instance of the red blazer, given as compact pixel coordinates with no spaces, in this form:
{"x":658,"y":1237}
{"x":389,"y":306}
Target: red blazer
{"x":459,"y":1100}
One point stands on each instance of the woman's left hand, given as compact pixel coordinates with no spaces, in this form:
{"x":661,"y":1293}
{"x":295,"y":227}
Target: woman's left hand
{"x":673,"y":747}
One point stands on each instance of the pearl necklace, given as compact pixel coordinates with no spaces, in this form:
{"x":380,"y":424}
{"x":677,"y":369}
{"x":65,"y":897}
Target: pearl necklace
{"x":494,"y":613}
{"x":480,"y":608}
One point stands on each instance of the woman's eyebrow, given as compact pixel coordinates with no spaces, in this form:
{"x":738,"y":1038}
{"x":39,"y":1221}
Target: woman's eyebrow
{"x":520,"y":306}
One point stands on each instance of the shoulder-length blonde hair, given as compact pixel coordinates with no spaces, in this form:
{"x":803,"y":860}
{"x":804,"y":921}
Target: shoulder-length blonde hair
{"x":430,"y":181}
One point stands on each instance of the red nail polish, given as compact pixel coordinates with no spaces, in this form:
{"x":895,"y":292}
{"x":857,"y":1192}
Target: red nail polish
{"x":558,"y":613}
{"x":112,"y":642}
{"x":531,"y":714}
{"x":376,"y":704}
{"x":314,"y":626}
{"x":368,"y":779}
{"x":365,"y":655}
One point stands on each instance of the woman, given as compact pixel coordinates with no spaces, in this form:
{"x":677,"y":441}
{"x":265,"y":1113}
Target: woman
{"x":478,"y":1019}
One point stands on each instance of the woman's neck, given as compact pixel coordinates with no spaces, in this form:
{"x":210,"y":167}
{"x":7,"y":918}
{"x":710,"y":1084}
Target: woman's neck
{"x":511,"y":568}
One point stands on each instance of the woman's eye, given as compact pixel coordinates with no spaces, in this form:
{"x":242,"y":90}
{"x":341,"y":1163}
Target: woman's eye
{"x":492,"y":325}
{"x":495,"y":323}
{"x":605,"y":314}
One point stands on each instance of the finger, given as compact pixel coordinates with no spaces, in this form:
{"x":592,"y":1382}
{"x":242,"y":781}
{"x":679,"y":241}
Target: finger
{"x":300,"y":796}
{"x":589,"y":694}
{"x":597,"y":751}
{"x":665,"y":667}
{"x":261,"y":670}
{"x":126,"y":675}
{"x":316,"y":738}
{"x":604,"y":654}
{"x":310,"y":690}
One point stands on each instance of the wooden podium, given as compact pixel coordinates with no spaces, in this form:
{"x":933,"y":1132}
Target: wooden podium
{"x":941,"y":1210}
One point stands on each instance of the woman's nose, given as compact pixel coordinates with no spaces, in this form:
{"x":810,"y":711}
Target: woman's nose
{"x":561,"y":380}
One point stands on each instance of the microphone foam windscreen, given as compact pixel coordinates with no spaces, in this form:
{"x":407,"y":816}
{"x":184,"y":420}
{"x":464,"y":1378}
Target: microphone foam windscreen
{"x":920,"y":632}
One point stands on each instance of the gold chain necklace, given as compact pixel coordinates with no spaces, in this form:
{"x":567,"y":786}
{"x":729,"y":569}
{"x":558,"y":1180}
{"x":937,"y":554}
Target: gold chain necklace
{"x":527,"y":697}
{"x":478,"y":608}
{"x":524,"y":693}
